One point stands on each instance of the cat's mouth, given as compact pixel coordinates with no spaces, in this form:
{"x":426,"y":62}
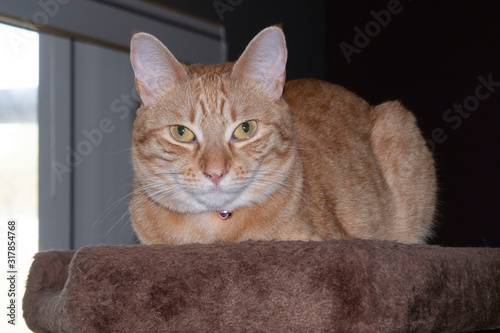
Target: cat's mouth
{"x":220,"y":198}
{"x":197,"y":197}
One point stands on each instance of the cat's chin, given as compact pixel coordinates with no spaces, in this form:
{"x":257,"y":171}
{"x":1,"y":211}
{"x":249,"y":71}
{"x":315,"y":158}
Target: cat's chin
{"x":219,"y":201}
{"x":214,"y":199}
{"x":211,"y":201}
{"x":227,"y":199}
{"x":196,"y":208}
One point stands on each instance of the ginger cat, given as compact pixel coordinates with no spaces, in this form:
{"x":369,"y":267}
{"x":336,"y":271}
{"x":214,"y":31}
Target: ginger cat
{"x":229,"y":152}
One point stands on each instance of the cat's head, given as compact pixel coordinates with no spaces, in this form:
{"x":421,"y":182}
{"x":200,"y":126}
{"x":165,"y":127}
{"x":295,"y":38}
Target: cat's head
{"x":211,"y":137}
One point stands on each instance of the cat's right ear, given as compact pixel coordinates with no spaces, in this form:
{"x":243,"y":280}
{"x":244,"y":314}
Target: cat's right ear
{"x":154,"y":66}
{"x":264,"y":60}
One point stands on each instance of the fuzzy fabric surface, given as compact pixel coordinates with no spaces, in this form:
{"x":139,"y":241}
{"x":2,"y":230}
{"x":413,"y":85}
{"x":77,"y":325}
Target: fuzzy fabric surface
{"x":330,"y":286}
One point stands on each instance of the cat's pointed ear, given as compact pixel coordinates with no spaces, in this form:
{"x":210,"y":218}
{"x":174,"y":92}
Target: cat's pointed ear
{"x":264,"y":60}
{"x":154,"y":66}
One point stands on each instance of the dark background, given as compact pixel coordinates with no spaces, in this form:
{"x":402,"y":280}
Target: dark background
{"x":429,"y":56}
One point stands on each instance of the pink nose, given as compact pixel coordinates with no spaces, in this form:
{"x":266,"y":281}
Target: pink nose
{"x":215,"y":174}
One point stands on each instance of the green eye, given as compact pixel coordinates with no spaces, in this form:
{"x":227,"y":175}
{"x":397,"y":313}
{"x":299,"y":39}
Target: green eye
{"x":245,"y":130}
{"x":181,"y":133}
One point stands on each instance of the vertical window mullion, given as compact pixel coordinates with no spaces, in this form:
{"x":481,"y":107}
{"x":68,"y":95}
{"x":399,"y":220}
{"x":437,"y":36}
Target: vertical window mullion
{"x":55,"y":181}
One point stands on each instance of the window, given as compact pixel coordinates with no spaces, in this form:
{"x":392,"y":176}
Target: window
{"x":19,"y":149}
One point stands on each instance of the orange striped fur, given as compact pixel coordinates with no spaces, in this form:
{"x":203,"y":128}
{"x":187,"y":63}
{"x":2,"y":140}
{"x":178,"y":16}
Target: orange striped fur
{"x":322,"y":164}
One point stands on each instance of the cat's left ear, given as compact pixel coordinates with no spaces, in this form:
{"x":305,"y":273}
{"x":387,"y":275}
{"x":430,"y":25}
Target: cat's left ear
{"x":154,"y":66}
{"x":264,"y":60}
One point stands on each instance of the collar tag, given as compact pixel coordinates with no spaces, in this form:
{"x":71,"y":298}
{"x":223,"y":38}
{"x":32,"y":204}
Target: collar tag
{"x":225,"y":215}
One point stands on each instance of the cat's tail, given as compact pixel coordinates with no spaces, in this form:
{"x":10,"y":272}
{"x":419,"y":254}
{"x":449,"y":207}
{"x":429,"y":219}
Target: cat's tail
{"x":408,"y":168}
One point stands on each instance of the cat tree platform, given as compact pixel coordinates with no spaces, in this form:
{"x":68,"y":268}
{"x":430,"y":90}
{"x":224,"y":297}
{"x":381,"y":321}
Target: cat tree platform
{"x":330,"y":286}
